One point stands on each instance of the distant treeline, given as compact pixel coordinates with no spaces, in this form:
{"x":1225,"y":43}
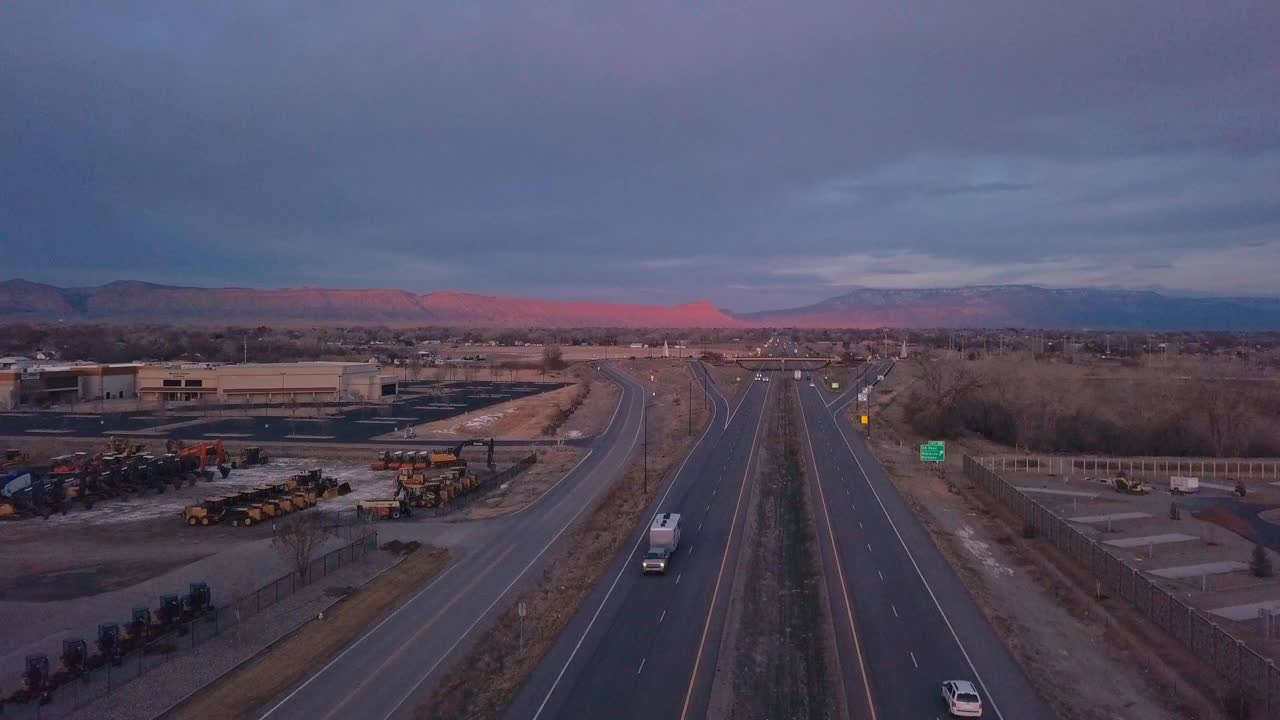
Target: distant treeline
{"x":1217,"y":409}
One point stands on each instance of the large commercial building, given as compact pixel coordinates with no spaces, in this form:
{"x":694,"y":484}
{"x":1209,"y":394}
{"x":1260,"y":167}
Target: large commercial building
{"x":27,"y":383}
{"x":264,"y":383}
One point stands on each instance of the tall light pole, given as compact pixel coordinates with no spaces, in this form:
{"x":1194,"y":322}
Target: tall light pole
{"x":689,"y":402}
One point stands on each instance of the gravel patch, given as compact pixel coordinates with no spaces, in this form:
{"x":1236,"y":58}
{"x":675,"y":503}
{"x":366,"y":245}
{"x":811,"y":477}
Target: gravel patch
{"x":188,"y":669}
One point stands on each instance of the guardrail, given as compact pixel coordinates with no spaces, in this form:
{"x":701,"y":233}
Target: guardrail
{"x":1251,"y":674}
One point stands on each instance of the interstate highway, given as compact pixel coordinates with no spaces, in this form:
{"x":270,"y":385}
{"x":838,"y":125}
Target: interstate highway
{"x":913,"y":622}
{"x":646,"y":647}
{"x":394,"y":665}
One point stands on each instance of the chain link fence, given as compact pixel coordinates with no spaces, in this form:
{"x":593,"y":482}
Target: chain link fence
{"x":1148,"y":468}
{"x":182,"y":638}
{"x":1249,"y":673}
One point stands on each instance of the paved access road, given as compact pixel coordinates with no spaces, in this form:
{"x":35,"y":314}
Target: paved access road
{"x":388,"y":671}
{"x":355,"y":425}
{"x":903,"y":621}
{"x":646,"y":647}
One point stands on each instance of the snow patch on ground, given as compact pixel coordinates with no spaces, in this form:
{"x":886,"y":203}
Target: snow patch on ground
{"x":366,"y":484}
{"x":573,"y":434}
{"x":982,"y":551}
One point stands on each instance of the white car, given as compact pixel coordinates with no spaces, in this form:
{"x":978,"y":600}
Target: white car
{"x":962,"y":698}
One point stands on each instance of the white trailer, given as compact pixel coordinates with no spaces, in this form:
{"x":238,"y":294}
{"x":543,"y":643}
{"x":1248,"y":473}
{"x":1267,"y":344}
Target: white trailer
{"x":797,"y":375}
{"x":1180,"y":485}
{"x":664,"y":538}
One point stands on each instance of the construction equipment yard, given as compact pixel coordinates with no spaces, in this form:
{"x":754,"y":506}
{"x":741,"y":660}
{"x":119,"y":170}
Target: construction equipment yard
{"x":64,"y":576}
{"x":121,"y":544}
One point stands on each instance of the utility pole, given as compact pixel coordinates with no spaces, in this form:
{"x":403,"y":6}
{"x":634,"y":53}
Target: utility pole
{"x":690,"y":404}
{"x":644,"y":416}
{"x":246,"y":348}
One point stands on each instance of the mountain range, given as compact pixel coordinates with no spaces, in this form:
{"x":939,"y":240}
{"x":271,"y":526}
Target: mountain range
{"x":970,"y":307}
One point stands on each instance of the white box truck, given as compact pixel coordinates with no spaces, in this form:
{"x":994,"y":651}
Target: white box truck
{"x":1179,"y":485}
{"x":796,"y":375}
{"x":664,"y":538}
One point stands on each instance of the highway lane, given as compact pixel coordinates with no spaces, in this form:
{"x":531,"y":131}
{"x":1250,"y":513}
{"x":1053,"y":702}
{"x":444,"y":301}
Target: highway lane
{"x":386,"y":671}
{"x":904,"y":621}
{"x":646,"y":647}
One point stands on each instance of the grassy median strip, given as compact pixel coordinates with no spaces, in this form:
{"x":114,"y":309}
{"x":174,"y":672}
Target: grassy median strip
{"x":244,"y":692}
{"x":482,"y":685}
{"x":783,"y":666}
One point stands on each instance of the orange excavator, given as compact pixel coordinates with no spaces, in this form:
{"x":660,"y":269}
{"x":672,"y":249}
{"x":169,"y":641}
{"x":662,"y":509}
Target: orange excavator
{"x":200,"y":456}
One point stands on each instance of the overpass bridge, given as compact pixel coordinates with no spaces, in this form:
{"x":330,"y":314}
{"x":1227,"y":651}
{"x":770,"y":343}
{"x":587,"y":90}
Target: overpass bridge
{"x":784,"y":363}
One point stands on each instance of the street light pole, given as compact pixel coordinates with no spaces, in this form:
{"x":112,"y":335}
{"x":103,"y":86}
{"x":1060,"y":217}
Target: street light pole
{"x":690,"y":403}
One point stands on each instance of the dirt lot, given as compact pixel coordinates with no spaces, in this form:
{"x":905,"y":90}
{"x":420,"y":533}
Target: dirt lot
{"x":528,"y":418}
{"x":242,"y":693}
{"x":569,"y":577}
{"x":1087,"y":659}
{"x":516,"y":494}
{"x":778,"y":659}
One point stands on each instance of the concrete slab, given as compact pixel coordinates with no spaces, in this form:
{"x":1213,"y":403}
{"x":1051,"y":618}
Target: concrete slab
{"x":309,"y":437}
{"x":378,"y":422}
{"x":1195,"y":571}
{"x":1113,"y":517}
{"x":1051,"y":491}
{"x":47,"y":431}
{"x":228,"y":435}
{"x":1248,"y":611}
{"x":1146,"y":540}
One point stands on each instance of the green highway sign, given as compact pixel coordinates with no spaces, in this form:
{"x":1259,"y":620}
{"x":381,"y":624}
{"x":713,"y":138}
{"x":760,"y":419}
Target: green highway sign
{"x":933,"y":451}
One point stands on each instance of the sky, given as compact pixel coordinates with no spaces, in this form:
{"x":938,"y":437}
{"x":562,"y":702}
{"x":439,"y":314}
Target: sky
{"x":755,"y":154}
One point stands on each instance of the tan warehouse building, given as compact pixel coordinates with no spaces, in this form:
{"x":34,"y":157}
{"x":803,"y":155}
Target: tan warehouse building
{"x":25,"y":383}
{"x":264,"y":383}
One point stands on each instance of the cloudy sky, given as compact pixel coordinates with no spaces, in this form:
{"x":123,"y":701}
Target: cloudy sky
{"x":755,"y":154}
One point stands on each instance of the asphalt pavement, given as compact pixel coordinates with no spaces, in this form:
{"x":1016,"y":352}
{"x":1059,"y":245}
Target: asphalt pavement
{"x":393,"y":667}
{"x":354,"y":425}
{"x":646,"y":646}
{"x":903,"y":620}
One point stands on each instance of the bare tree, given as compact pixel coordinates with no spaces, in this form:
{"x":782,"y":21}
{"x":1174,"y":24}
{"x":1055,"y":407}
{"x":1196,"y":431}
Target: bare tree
{"x":552,"y":358}
{"x":298,"y":537}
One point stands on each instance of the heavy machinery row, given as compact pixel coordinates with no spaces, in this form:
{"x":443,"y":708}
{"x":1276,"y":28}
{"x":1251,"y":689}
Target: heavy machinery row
{"x":122,"y":471}
{"x":114,"y":642}
{"x":248,"y":507}
{"x":424,"y":479}
{"x":426,"y":459}
{"x":420,"y":489}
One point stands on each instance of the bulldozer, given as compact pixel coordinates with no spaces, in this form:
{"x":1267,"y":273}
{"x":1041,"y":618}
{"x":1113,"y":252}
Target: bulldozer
{"x":250,"y":456}
{"x":384,"y":509}
{"x":167,"y":615}
{"x":209,"y":511}
{"x":14,"y":458}
{"x":35,"y":680}
{"x":452,"y":457}
{"x":74,"y":661}
{"x":1129,"y":486}
{"x":245,"y":515}
{"x":138,"y":631}
{"x":109,"y":648}
{"x":124,"y":448}
{"x":197,"y":602}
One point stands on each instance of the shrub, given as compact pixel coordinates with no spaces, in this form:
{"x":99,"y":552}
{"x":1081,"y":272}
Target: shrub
{"x":1260,"y":563}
